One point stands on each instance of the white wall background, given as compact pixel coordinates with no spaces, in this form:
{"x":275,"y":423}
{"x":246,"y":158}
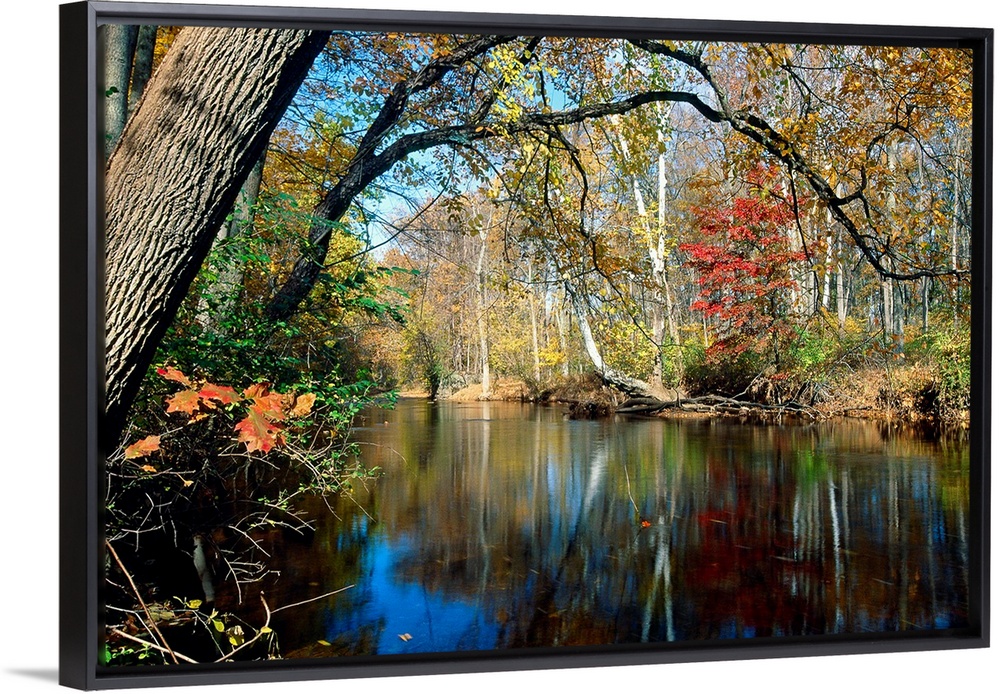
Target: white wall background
{"x":28,"y":380}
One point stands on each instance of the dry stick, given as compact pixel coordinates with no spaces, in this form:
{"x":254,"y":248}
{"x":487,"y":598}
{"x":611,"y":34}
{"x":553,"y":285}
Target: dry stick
{"x":267,"y":622}
{"x":628,"y":486}
{"x":152,"y":622}
{"x":236,"y":579}
{"x":318,"y":597}
{"x":150,"y":644}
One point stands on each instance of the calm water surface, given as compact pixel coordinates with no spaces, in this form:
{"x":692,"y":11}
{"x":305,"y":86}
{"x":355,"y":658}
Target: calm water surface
{"x":500,"y":525}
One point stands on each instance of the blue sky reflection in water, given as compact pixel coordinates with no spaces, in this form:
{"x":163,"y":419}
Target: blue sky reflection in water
{"x":503,"y":525}
{"x":411,"y":618}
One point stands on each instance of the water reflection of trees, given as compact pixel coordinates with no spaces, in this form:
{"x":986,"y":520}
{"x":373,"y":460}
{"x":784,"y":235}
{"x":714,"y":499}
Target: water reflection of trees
{"x":527,"y":519}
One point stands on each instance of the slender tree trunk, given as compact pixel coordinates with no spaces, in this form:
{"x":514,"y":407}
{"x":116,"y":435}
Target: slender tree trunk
{"x":827,"y":273}
{"x":841,"y":267}
{"x":561,"y":330}
{"x":953,"y":229}
{"x":204,"y":122}
{"x":798,"y":293}
{"x":841,"y":298}
{"x":484,"y":345}
{"x":925,"y":307}
{"x":673,"y":332}
{"x":888,"y":319}
{"x":219,"y":300}
{"x":888,"y":284}
{"x":119,"y":49}
{"x":533,"y":309}
{"x":142,"y":68}
{"x":625,"y":383}
{"x":655,"y":248}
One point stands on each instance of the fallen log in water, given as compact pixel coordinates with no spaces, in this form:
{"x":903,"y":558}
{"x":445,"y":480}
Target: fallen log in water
{"x":643,"y":405}
{"x":717,"y":404}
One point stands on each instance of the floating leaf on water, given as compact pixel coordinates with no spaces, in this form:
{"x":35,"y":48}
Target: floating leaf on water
{"x":405,"y":637}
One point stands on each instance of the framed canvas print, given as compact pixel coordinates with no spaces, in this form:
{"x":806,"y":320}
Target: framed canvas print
{"x":400,"y":342}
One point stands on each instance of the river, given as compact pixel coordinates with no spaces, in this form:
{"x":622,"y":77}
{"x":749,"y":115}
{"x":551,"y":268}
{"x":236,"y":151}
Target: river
{"x":505,"y":525}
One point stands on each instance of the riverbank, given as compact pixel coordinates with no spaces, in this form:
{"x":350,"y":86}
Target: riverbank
{"x":911,"y":394}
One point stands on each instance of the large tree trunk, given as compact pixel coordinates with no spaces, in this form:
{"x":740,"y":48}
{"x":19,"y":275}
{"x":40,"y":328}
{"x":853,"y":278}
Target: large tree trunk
{"x":204,"y":122}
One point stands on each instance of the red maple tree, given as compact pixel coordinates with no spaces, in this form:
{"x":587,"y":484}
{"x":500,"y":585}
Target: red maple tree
{"x":744,"y":271}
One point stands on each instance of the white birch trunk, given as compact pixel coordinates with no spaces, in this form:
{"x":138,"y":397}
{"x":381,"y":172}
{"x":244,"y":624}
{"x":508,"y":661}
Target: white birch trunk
{"x":484,"y":346}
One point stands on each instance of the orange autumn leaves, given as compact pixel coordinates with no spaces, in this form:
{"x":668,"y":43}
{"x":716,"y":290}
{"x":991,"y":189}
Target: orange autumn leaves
{"x":261,"y":429}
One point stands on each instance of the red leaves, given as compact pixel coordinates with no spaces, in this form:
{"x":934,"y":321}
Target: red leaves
{"x":223,"y":394}
{"x":172,"y":374}
{"x":272,"y":405}
{"x":196,"y":402}
{"x":744,"y":268}
{"x":260,"y":429}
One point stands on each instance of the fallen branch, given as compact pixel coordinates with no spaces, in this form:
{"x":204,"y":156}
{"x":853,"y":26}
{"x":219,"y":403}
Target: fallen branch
{"x":152,"y":622}
{"x":263,"y":630}
{"x":149,"y":644}
{"x":318,"y":597}
{"x":718,"y":404}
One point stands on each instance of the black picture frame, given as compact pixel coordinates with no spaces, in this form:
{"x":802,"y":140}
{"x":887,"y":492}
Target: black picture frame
{"x":81,"y":342}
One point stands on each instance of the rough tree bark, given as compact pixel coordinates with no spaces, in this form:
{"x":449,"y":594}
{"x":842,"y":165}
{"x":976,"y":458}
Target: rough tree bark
{"x":173,"y":177}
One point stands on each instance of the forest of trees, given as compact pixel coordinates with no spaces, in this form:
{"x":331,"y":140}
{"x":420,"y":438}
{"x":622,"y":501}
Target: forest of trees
{"x":637,"y":208}
{"x":299,"y":223}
